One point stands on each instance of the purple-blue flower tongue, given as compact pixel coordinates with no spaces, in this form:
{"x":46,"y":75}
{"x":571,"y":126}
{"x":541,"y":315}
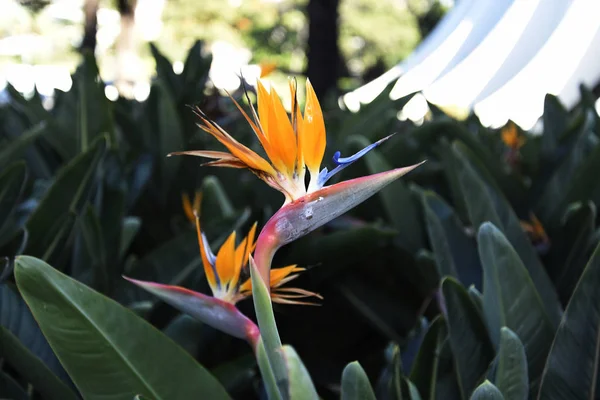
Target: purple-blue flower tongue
{"x":343,"y":162}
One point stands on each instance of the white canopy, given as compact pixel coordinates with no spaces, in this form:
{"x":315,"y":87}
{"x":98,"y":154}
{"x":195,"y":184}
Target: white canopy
{"x":500,"y":58}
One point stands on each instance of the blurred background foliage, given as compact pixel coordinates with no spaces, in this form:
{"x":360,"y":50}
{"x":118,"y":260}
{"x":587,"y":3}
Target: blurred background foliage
{"x":373,"y":35}
{"x":85,"y":186}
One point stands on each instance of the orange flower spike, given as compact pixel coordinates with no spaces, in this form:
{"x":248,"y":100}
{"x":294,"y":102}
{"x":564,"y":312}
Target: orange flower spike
{"x":511,"y":137}
{"x":208,"y":258}
{"x":283,"y":138}
{"x":279,"y":277}
{"x":266,"y":68}
{"x":188,"y":209}
{"x":313,"y":131}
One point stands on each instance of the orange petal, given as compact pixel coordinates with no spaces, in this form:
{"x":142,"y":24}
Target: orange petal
{"x":244,"y":154}
{"x":281,"y":136}
{"x":266,"y":68}
{"x":242,"y":253}
{"x":266,"y":114}
{"x":313,"y":131}
{"x":256,"y":126}
{"x":222,"y":159}
{"x":226,"y":260}
{"x":278,"y":275}
{"x":297,"y":124}
{"x":187,"y":207}
{"x":208,"y":267}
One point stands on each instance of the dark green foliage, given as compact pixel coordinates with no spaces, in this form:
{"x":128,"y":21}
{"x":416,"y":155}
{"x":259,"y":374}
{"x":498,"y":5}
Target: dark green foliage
{"x":437,"y":268}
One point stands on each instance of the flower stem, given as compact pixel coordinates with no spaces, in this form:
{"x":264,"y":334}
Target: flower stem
{"x":268,"y":329}
{"x":266,"y":371}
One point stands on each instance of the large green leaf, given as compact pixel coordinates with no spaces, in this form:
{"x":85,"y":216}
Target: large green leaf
{"x":469,"y":340}
{"x":355,"y":383}
{"x":108,"y":351}
{"x":424,"y":369}
{"x":301,"y":385}
{"x":571,"y":371}
{"x":484,"y":205}
{"x":511,"y":371}
{"x":23,"y":347}
{"x":68,"y":193}
{"x":487,"y":391}
{"x":510,"y":299}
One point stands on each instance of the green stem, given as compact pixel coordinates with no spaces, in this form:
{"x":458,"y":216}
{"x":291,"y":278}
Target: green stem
{"x":266,"y":371}
{"x":268,"y":329}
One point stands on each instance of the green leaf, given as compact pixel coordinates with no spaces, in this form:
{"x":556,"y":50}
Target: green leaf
{"x":438,"y":240}
{"x":476,"y":298}
{"x":115,"y":357}
{"x":301,"y":386}
{"x":268,"y":377}
{"x":484,"y":205}
{"x":572,"y":367}
{"x":455,"y":252}
{"x":33,"y":369}
{"x":573,"y":179}
{"x":91,"y":232}
{"x":14,"y":149}
{"x":169,"y":135}
{"x":129,"y":230}
{"x":68,"y":193}
{"x":10,"y":389}
{"x":424,"y":369}
{"x":94,"y":117}
{"x":195,"y":71}
{"x":511,"y":372}
{"x":398,"y":202}
{"x":165,"y":73}
{"x":487,"y":391}
{"x":571,"y":247}
{"x":412,"y":390}
{"x":355,"y":383}
{"x":338,"y":249}
{"x":12,"y":183}
{"x":57,"y":237}
{"x":23,"y":347}
{"x":469,"y":340}
{"x":268,"y":328}
{"x":214,"y":199}
{"x":555,"y":120}
{"x":510,"y":299}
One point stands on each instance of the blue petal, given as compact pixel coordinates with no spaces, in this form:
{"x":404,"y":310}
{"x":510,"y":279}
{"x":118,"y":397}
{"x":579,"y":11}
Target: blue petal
{"x":212,"y":259}
{"x":343,"y":162}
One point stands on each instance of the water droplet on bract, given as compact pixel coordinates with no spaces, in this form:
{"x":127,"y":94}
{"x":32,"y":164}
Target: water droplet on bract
{"x":307,"y":213}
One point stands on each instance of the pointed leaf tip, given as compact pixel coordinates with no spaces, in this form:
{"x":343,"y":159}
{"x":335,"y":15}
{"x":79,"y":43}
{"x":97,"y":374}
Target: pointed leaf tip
{"x":210,"y":310}
{"x":314,"y":210}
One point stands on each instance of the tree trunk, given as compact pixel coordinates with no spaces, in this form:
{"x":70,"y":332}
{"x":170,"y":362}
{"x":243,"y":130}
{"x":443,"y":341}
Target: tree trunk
{"x":90,"y":10}
{"x":126,"y":57}
{"x":323,"y":54}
